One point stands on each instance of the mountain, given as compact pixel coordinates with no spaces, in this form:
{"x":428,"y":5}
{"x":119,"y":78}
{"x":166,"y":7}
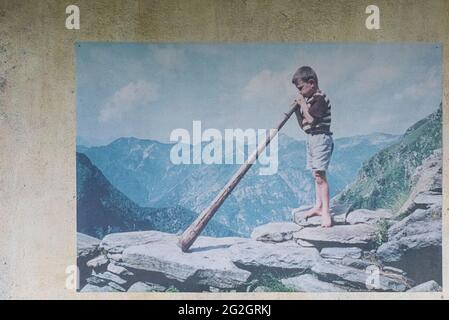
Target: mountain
{"x":102,"y":209}
{"x":142,"y":170}
{"x":385,"y":179}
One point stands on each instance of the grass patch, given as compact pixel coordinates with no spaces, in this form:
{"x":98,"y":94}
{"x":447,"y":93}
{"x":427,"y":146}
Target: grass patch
{"x":172,"y":289}
{"x":273,"y":284}
{"x":382,"y":231}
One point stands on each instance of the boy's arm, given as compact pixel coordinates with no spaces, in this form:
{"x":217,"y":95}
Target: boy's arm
{"x":316,"y":109}
{"x":305,"y":109}
{"x":299,"y":116}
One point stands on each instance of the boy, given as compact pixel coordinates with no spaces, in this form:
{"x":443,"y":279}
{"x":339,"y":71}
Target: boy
{"x":314,"y":117}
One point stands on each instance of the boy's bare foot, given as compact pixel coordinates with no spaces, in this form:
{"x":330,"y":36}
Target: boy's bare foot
{"x":326,"y":220}
{"x":315,"y":211}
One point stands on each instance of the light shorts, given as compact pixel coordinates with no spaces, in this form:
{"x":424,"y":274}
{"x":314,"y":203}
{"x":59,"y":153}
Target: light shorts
{"x":319,"y":151}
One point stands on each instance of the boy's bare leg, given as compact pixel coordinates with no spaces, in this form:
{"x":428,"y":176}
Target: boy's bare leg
{"x":326,"y":220}
{"x":316,"y":210}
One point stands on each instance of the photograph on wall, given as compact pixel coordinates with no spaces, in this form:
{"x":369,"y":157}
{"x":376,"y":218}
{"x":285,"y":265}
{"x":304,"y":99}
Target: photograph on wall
{"x":258,"y":167}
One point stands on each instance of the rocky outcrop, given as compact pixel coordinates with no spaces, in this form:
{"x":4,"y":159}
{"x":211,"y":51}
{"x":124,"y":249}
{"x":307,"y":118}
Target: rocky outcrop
{"x":151,"y":262}
{"x":275,"y":232}
{"x":362,"y":235}
{"x":208,"y":264}
{"x":415,"y":239}
{"x":366,"y":250}
{"x":368,"y":216}
{"x":87,"y":246}
{"x":87,"y":249}
{"x":260,"y":257}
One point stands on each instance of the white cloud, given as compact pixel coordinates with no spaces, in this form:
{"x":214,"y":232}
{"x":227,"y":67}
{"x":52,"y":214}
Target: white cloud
{"x":269,"y":85}
{"x":128,"y":99}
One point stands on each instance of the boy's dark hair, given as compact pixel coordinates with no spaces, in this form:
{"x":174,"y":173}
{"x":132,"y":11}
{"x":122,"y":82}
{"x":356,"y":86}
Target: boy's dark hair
{"x":305,"y":74}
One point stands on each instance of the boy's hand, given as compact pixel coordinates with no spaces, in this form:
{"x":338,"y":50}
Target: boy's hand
{"x":300,"y":100}
{"x":304,"y":109}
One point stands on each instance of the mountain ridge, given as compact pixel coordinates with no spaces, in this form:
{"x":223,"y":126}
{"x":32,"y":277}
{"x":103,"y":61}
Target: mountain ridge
{"x":143,"y":171}
{"x":102,"y":209}
{"x":384,"y":180}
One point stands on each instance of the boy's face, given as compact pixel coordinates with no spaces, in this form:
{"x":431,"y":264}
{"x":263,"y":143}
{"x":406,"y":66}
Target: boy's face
{"x":306,"y":89}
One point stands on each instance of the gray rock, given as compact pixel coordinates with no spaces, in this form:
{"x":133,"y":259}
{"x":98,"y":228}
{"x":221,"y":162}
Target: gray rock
{"x":427,"y":178}
{"x":429,"y":286}
{"x":146,"y":287}
{"x":356,"y":278}
{"x":394,"y":270}
{"x":304,"y":244}
{"x":356,"y":263}
{"x":108,"y":276}
{"x":345,"y":235}
{"x":275,"y":231}
{"x":93,"y":288}
{"x":86,"y":245}
{"x":368,"y":216}
{"x":340,"y":253}
{"x":116,"y":257}
{"x":420,"y":230}
{"x":97,"y":262}
{"x":93,"y":280}
{"x":393,"y":251}
{"x":116,"y":243}
{"x":428,"y":199}
{"x":419,"y":222}
{"x":309,"y":283}
{"x":116,"y":286}
{"x":208,"y":262}
{"x":257,"y":256}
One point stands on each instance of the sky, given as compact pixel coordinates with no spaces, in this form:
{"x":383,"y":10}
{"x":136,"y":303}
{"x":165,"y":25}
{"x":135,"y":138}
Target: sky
{"x":146,"y":90}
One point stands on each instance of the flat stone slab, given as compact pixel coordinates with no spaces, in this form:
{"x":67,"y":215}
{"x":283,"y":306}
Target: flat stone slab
{"x":115,"y":243}
{"x":97,"y":262}
{"x":340,"y":253}
{"x":356,"y":263}
{"x":393,"y":251}
{"x":146,"y":287}
{"x":304,"y":244}
{"x":93,"y":288}
{"x":420,"y":230}
{"x":428,"y":198}
{"x":86,"y":245}
{"x":119,"y":270}
{"x":338,"y":212}
{"x":359,"y":279}
{"x":259,"y":256}
{"x":394,"y":270}
{"x":275,"y":232}
{"x":344,"y":235}
{"x":368,"y":216}
{"x":111,"y":277}
{"x":429,"y":286}
{"x":310,"y":283}
{"x":208,"y":262}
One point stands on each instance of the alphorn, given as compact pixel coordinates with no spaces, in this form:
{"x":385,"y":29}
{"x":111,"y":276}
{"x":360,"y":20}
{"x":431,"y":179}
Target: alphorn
{"x":193,"y":231}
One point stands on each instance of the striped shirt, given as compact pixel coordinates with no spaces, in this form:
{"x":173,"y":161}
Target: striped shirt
{"x":320,"y":110}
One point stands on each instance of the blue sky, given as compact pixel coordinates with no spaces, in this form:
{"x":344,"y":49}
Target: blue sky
{"x":146,"y":90}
